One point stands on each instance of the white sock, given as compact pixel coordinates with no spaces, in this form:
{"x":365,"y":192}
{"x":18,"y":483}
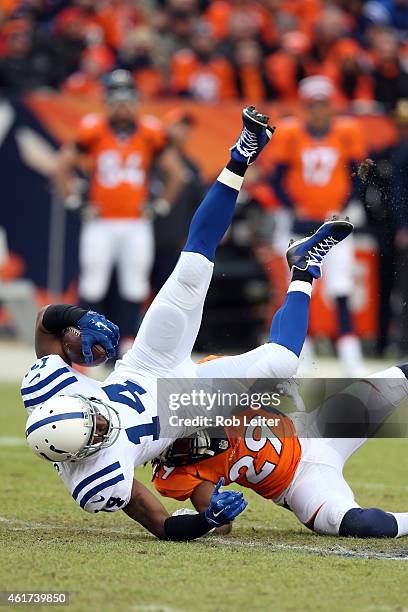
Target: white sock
{"x":402,"y":522}
{"x":351,"y":356}
{"x":299,"y":285}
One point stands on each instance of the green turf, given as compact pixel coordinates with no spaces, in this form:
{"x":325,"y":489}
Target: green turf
{"x":269,"y":562}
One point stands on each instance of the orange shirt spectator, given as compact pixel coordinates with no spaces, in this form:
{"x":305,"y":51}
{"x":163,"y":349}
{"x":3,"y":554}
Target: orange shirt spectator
{"x":137,"y":54}
{"x":250,"y":76}
{"x":288,"y":66}
{"x":210,"y":81}
{"x":228,"y":18}
{"x":116,"y":18}
{"x":200,"y":72}
{"x":344,"y":68}
{"x":306,"y":12}
{"x":148,"y":81}
{"x":95,"y":62}
{"x":76,"y":23}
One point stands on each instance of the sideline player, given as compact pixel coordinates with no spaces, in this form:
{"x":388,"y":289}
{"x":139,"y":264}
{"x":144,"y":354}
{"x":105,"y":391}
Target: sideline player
{"x":304,"y":475}
{"x":314,"y":160}
{"x":117,"y":149}
{"x":97,"y":433}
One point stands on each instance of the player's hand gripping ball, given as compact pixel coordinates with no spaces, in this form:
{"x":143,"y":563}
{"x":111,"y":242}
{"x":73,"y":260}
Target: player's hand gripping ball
{"x":224,"y":506}
{"x":94,"y":341}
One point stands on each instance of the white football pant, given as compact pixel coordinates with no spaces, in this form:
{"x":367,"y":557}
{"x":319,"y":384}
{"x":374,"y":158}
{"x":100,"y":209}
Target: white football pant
{"x":127,"y":244}
{"x":318,"y":493}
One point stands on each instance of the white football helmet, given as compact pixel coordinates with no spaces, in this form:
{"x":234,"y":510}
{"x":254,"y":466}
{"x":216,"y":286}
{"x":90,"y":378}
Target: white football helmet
{"x":63,"y":427}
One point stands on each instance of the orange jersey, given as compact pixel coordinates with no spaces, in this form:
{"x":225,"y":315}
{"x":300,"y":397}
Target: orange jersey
{"x":319,"y":176}
{"x":119,"y":167}
{"x":209,"y":81}
{"x":258,"y":455}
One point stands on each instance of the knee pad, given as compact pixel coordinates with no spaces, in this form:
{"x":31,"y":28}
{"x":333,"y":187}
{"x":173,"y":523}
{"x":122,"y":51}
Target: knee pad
{"x":368,"y":523}
{"x":193,"y":275}
{"x":165,"y":328}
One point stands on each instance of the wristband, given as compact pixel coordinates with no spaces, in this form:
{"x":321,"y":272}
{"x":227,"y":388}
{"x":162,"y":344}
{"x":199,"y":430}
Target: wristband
{"x":186,"y":527}
{"x":58,"y":317}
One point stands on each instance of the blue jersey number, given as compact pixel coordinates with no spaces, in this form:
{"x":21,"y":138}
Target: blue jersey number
{"x":116,"y":393}
{"x":120,"y":393}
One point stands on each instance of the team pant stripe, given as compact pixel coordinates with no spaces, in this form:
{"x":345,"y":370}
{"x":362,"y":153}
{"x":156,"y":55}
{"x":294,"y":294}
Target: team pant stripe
{"x":86,"y":481}
{"x":45,"y":382}
{"x":100,"y":487}
{"x":43,"y":398}
{"x":51,"y":419}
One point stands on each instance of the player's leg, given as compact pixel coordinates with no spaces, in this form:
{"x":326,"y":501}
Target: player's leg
{"x":319,"y":496}
{"x":339,"y":284}
{"x":374,"y":398}
{"x":170,"y":327}
{"x":380,"y":395}
{"x":134,"y":266}
{"x":279,"y":357}
{"x":324,"y":502}
{"x":341,"y":515}
{"x":95,"y":262}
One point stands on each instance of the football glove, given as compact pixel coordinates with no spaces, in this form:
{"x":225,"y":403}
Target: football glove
{"x":224,"y":506}
{"x":96,"y":329}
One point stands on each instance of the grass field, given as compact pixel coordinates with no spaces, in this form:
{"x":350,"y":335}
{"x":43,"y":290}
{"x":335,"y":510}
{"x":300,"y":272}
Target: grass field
{"x":269,"y":562}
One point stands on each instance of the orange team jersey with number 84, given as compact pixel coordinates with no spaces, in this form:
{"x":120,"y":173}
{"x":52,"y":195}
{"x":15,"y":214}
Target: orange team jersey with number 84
{"x":318,"y":178}
{"x":260,"y":455}
{"x":119,"y":166}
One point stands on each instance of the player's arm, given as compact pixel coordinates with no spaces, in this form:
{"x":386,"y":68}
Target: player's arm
{"x":278,"y":183}
{"x":47,"y":342}
{"x":201,"y":498}
{"x":171,"y":165}
{"x":283,"y":159}
{"x":146,"y":509}
{"x":95,"y":329}
{"x":67,"y":159}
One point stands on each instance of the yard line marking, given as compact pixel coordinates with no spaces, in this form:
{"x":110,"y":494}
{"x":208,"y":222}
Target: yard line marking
{"x":155,"y":608}
{"x":333,"y":550}
{"x":11,"y":441}
{"x":19,"y":525}
{"x":339,"y":551}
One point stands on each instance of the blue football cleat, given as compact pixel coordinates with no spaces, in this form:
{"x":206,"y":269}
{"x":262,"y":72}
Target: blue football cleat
{"x":256,"y":133}
{"x":308,"y":253}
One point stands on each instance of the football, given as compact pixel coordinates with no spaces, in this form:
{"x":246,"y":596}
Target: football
{"x":71,"y":343}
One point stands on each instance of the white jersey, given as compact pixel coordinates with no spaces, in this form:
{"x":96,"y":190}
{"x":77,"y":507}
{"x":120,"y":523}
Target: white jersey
{"x":102,"y":481}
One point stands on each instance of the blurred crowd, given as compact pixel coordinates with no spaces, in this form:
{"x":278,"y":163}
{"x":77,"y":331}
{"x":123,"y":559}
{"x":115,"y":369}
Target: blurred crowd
{"x":208,"y":50}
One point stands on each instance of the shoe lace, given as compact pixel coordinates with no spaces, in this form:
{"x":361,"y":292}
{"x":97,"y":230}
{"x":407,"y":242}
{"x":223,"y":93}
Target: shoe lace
{"x":247,"y":143}
{"x":321,"y":249}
